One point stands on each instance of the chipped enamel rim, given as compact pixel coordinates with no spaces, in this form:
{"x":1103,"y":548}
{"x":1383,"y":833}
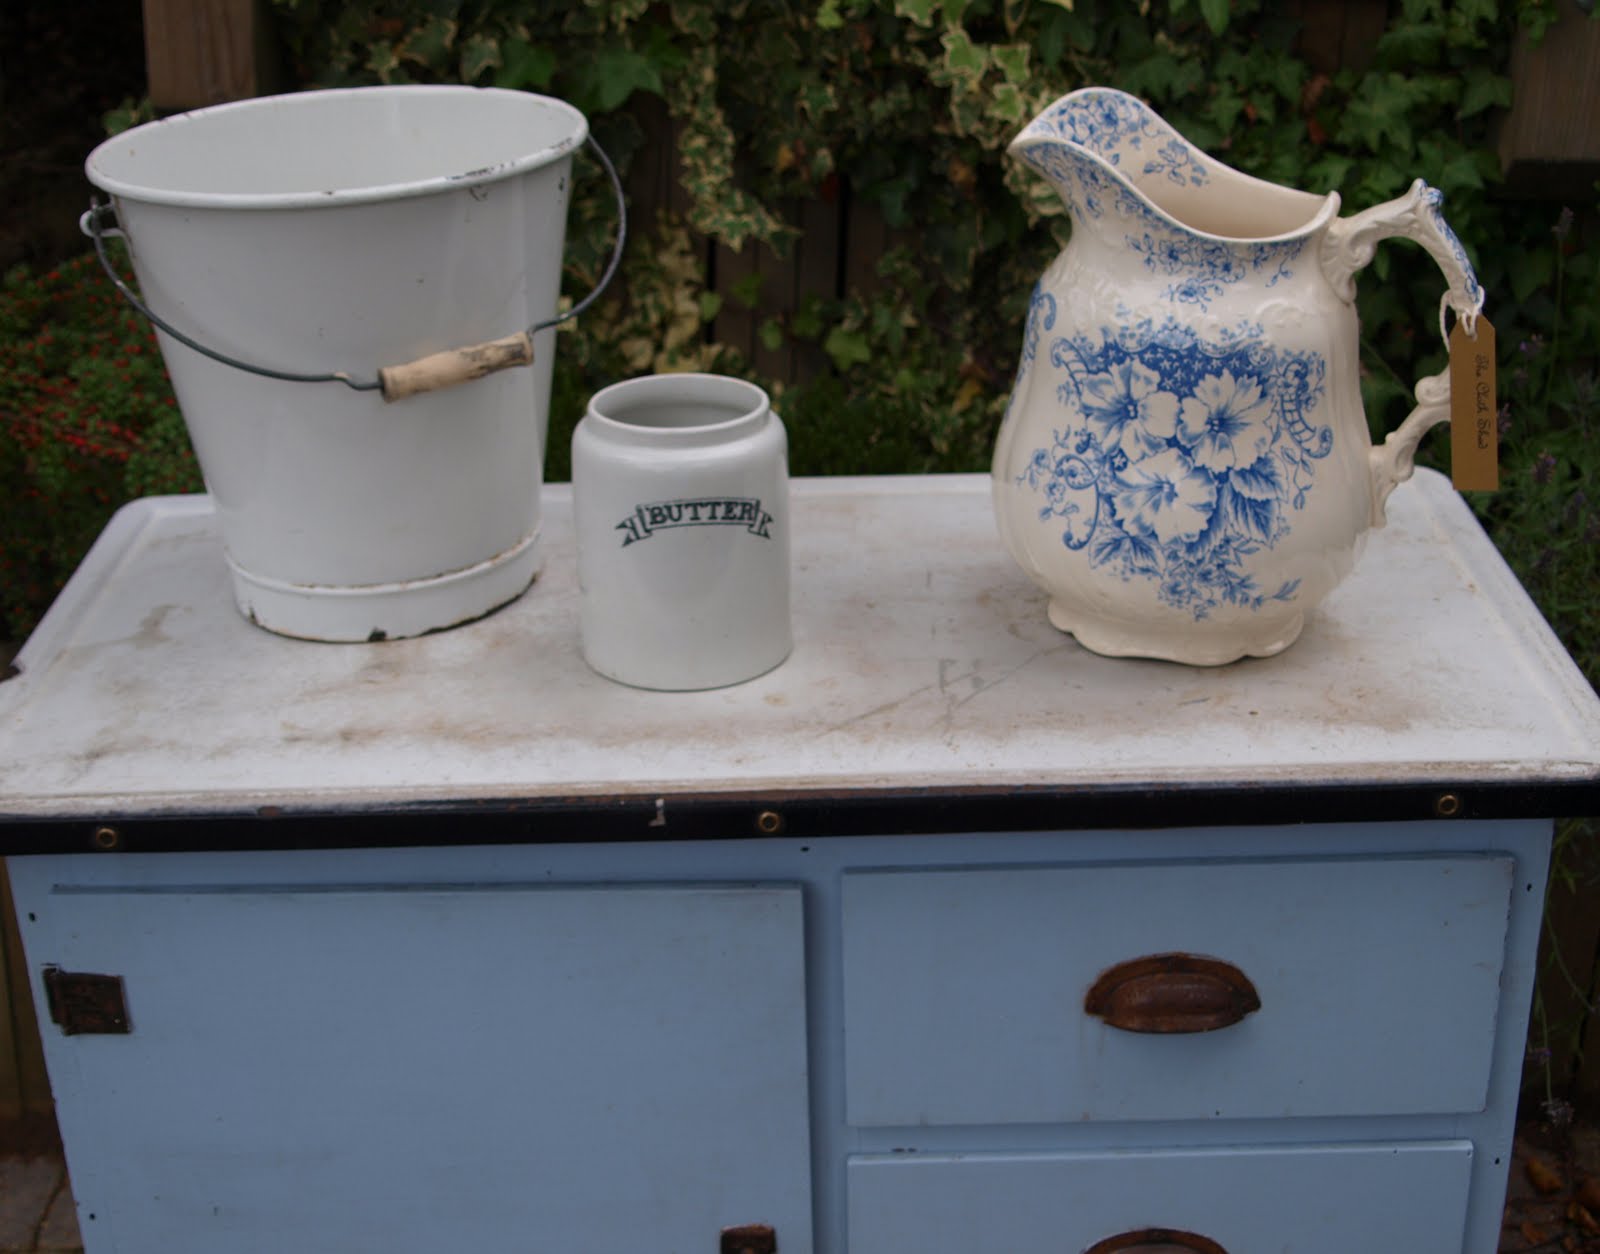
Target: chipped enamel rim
{"x":108,"y":165}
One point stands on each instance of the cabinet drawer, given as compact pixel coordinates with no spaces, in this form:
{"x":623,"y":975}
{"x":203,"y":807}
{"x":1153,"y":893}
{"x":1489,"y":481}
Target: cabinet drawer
{"x":1378,"y":983}
{"x":1321,"y":1199}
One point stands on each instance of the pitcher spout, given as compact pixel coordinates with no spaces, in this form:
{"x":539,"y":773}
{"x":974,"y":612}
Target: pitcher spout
{"x":1108,"y":154}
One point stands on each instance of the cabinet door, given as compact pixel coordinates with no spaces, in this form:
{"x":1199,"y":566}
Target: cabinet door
{"x":574,"y":1069}
{"x":1312,"y":1199}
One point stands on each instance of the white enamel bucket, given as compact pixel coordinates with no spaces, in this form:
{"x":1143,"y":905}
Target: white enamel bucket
{"x":329,"y":234}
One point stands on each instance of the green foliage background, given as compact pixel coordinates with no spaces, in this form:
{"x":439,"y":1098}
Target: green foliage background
{"x":904,"y":107}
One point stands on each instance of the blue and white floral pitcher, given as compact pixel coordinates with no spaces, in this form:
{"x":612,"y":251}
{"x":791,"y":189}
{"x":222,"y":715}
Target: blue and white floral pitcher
{"x":1185,"y":466}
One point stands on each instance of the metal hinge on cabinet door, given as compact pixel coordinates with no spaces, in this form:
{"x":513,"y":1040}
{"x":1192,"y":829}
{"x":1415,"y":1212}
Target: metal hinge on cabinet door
{"x":749,"y":1239}
{"x":86,"y":1005}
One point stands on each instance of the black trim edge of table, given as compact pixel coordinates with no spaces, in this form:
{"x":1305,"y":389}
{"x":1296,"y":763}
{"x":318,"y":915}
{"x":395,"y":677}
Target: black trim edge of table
{"x":794,"y":814}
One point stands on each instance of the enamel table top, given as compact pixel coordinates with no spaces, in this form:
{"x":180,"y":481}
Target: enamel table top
{"x":924,"y":672}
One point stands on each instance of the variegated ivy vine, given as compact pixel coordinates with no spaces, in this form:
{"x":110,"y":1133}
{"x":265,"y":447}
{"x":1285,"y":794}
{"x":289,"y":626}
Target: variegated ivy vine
{"x":904,"y":107}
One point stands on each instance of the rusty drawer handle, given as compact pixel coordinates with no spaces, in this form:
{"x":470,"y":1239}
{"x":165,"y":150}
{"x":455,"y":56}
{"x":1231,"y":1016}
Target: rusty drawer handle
{"x":1172,"y":993}
{"x":1154,"y":1239}
{"x":749,"y":1239}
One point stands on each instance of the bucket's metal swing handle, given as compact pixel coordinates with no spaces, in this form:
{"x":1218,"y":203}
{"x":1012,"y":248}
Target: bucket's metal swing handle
{"x":426,"y":374}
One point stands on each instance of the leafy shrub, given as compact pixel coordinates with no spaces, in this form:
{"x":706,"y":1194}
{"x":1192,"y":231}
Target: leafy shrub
{"x":87,"y":421}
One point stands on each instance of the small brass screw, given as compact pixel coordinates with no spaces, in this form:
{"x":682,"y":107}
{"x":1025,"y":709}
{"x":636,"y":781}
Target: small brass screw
{"x":1447,"y":805}
{"x":106,"y":839}
{"x":769,"y":822}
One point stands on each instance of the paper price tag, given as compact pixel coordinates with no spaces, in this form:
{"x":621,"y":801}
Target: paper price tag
{"x":1474,"y":412}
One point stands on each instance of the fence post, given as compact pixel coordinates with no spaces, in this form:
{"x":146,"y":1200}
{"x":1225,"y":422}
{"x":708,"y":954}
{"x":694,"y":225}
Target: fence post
{"x":1551,"y":137}
{"x":26,"y":1111}
{"x":202,"y":52}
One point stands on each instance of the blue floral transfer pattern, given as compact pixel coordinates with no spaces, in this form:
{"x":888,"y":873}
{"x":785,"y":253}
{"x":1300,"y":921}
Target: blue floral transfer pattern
{"x":1041,"y":318}
{"x":1182,"y":457}
{"x":1126,"y":132}
{"x":1206,"y":266}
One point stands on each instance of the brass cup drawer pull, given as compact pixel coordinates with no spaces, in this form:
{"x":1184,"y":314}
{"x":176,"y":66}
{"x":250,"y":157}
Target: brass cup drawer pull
{"x":1171,"y":993}
{"x":1152,"y":1240}
{"x":749,"y":1239}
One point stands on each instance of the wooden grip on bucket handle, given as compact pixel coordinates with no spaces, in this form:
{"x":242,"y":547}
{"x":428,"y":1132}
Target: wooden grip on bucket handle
{"x":456,"y":365}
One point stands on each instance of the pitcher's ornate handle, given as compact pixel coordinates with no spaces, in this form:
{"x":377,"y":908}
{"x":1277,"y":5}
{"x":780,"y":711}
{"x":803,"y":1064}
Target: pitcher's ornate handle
{"x":1347,"y":247}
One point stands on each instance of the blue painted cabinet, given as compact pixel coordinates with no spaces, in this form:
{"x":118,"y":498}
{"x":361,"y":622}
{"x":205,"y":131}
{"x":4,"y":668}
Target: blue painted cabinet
{"x":864,"y":1044}
{"x":945,"y":937}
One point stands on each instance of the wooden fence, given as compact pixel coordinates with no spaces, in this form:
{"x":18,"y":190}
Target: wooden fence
{"x":27,"y":1118}
{"x":201,"y":52}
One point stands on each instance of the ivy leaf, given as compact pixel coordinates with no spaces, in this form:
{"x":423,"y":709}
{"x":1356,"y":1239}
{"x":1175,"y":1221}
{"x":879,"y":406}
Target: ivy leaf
{"x":1534,"y":267}
{"x":1080,"y":29}
{"x":606,"y":80}
{"x":698,"y":21}
{"x":847,"y":348}
{"x":1484,"y":90}
{"x":710,"y":305}
{"x":1380,"y":114}
{"x":807,"y":321}
{"x":828,"y":15}
{"x":1411,"y":44}
{"x":1013,"y":61}
{"x":383,"y":61}
{"x":894,"y":198}
{"x":1473,"y":12}
{"x":1460,"y":171}
{"x":478,"y":54}
{"x":1163,"y":76}
{"x":1226,"y":107}
{"x":1328,"y":173}
{"x":962,"y":57}
{"x":919,"y":11}
{"x":1007,"y":103}
{"x":818,"y":98}
{"x":430,"y":43}
{"x":1288,"y":77}
{"x":1052,"y":39}
{"x":747,"y":289}
{"x":771,"y":335}
{"x":523,"y":66}
{"x":1215,"y":13}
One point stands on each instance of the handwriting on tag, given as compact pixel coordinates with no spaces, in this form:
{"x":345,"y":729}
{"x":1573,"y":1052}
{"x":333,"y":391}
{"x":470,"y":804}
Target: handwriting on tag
{"x":1474,"y":412}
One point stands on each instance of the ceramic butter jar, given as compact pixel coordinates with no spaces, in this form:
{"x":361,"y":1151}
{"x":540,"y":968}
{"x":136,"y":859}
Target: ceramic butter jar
{"x":1185,"y":466}
{"x":681,"y":503}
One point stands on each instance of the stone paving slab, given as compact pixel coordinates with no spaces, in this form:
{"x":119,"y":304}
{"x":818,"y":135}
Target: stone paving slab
{"x":58,"y":1233}
{"x":36,"y":1212}
{"x":26,"y":1188}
